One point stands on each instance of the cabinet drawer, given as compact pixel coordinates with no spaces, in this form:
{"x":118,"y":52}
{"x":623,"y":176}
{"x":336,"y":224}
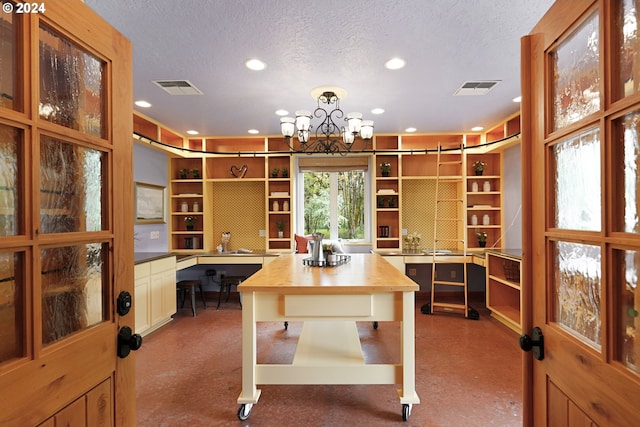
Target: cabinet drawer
{"x":142,"y":270}
{"x":320,"y":306}
{"x":163,"y":264}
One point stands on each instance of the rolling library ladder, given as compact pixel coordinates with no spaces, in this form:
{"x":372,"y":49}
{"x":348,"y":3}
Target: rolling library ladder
{"x":448,"y":225}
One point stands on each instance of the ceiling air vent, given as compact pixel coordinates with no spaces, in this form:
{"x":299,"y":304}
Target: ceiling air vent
{"x":178,"y":87}
{"x":475,"y":88}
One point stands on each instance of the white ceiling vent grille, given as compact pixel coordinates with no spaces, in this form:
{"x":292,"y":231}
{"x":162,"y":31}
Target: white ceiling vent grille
{"x":475,"y":88}
{"x":178,"y":87}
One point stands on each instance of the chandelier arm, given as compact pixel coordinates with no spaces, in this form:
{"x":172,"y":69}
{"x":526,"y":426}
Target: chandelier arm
{"x":329,"y":138}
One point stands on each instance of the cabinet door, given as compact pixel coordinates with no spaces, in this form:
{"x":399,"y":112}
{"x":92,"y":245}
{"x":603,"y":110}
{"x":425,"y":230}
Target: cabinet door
{"x":168,"y":279}
{"x":156,"y":298}
{"x":141,"y":298}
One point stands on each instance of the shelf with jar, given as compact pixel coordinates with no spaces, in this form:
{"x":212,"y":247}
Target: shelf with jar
{"x":484,"y":199}
{"x":387,"y":201}
{"x":279,"y":203}
{"x":186,"y":204}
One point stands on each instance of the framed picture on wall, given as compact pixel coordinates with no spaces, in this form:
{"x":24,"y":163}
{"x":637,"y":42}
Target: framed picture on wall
{"x":150,"y":201}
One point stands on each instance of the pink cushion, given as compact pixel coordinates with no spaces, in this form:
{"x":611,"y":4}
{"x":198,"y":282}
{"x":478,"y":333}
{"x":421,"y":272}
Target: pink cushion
{"x":301,"y":243}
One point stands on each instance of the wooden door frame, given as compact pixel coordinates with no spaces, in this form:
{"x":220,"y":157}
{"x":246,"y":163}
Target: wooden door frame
{"x":108,"y":42}
{"x":75,"y":20}
{"x":565,"y":14}
{"x":561,"y":18}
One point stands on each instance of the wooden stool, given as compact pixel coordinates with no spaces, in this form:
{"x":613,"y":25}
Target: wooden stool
{"x":184,"y":286}
{"x":226,"y":282}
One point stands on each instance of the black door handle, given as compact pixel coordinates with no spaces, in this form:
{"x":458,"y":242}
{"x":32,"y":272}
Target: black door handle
{"x":534,"y":342}
{"x":128,"y":341}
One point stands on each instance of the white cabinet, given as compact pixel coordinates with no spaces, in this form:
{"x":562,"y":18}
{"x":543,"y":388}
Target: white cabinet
{"x":141,"y":296}
{"x":155,"y":294}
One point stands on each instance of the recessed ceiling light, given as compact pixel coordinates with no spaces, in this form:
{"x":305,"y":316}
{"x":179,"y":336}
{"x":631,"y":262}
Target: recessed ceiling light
{"x":377,"y":111}
{"x":476,"y":128}
{"x":517,"y":99}
{"x":395,"y":63}
{"x":282,"y":112}
{"x":253,"y":131}
{"x":143,"y":104}
{"x":410,"y":130}
{"x":255,"y":64}
{"x":193,"y":132}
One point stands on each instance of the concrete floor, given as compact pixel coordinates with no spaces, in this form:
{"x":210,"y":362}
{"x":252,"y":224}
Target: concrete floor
{"x":468,"y":373}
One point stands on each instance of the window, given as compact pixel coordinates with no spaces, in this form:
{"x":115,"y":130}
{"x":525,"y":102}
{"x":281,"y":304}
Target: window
{"x":334,"y":202}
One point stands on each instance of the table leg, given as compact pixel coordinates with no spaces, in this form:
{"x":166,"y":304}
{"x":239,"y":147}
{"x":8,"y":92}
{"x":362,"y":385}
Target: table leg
{"x":408,"y":392}
{"x":250,"y":394}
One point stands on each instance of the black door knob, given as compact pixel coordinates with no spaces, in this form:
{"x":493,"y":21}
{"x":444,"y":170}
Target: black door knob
{"x":534,"y":342}
{"x":128,"y":341}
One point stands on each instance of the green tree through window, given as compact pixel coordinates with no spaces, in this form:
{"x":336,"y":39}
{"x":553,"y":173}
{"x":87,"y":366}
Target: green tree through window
{"x":335,"y":197}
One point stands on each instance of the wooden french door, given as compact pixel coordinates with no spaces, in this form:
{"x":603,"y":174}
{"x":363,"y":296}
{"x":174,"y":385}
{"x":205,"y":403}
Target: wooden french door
{"x":66,"y":216}
{"x":581,"y":196}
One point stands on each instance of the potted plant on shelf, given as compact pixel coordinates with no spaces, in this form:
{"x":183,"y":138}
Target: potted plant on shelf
{"x":479,"y":167}
{"x":189,"y":222}
{"x":385,"y":168}
{"x":280,"y":226}
{"x":285,"y":173}
{"x":195,"y":173}
{"x":184,"y":173}
{"x":482,"y":239}
{"x":275,"y":172}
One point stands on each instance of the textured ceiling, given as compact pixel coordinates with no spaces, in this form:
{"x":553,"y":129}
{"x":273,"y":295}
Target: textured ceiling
{"x":329,"y":42}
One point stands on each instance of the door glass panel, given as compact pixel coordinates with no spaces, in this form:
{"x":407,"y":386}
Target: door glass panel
{"x":628,"y":306}
{"x":74,"y":289}
{"x":71,"y":85}
{"x":11,"y":305}
{"x":576,"y":288}
{"x":8,"y":61}
{"x":627,"y":161}
{"x":575,"y":169}
{"x":71,"y":187}
{"x":576,"y":75}
{"x":629,"y":48}
{"x":10,"y":159}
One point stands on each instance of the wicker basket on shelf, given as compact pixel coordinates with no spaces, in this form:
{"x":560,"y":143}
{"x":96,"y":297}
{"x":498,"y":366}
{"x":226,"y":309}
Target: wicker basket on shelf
{"x":511,"y":270}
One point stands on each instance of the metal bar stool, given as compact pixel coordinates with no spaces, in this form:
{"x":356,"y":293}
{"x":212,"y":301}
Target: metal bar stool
{"x":185,"y":286}
{"x":226,"y":282}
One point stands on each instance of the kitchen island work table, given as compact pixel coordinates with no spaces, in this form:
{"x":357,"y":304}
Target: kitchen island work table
{"x":329,"y":301}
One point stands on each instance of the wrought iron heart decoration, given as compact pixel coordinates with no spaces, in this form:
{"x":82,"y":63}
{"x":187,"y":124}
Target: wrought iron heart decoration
{"x":238,"y":172}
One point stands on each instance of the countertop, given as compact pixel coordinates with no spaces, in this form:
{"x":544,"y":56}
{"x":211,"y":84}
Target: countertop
{"x":513,"y":253}
{"x":141,"y":257}
{"x":364,"y":273}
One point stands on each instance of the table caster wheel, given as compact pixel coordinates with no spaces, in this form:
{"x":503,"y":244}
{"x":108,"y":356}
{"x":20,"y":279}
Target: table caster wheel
{"x":375,"y":324}
{"x":244,"y":411}
{"x":406,"y":411}
{"x":286,"y":325}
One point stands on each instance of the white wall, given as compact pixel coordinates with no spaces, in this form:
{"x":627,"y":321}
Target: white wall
{"x":512,"y":181}
{"x":150,"y":167}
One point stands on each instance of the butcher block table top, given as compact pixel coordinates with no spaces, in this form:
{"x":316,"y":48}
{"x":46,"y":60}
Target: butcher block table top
{"x":363,"y":273}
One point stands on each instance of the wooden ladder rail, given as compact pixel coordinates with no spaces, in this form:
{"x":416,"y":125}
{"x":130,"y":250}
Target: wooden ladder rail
{"x":457,"y":204}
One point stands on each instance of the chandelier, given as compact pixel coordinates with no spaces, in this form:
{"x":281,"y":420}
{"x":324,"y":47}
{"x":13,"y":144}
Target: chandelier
{"x":330,"y":137}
